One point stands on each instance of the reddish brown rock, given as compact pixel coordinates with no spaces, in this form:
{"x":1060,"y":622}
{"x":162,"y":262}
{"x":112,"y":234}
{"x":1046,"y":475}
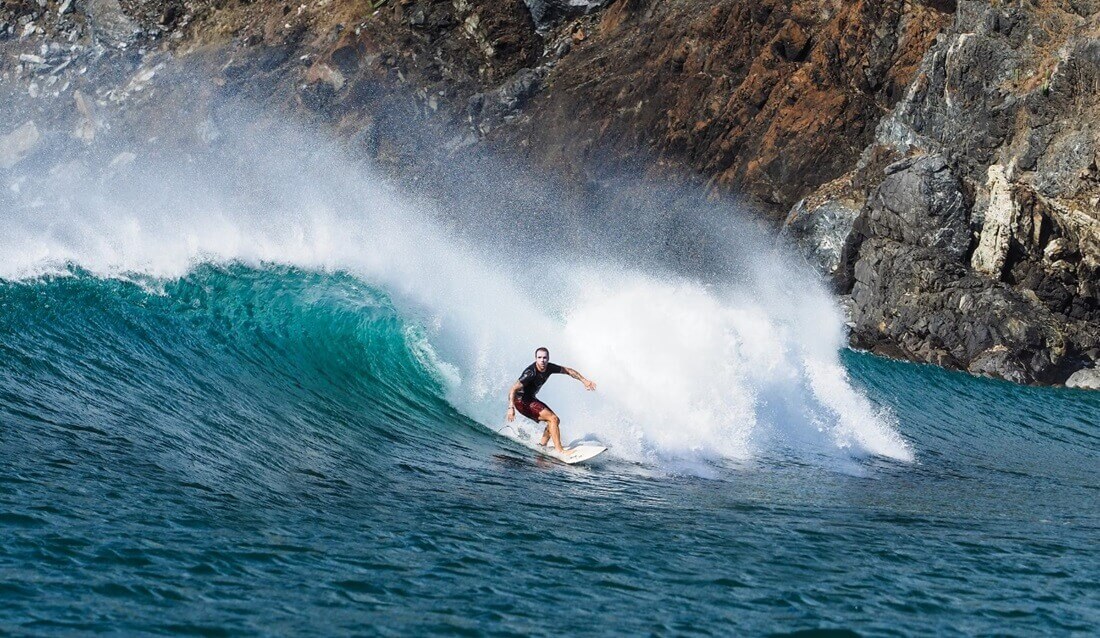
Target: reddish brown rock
{"x":770,"y":98}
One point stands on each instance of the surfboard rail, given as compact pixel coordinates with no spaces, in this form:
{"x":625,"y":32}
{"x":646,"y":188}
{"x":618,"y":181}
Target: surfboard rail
{"x":574,"y":455}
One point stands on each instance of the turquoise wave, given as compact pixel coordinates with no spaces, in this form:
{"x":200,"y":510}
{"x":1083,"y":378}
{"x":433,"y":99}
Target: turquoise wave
{"x":251,"y":451}
{"x":226,"y":359}
{"x":241,"y":353}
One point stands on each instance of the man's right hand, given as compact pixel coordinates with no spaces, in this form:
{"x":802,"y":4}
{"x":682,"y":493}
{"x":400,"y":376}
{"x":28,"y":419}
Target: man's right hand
{"x":511,"y":416}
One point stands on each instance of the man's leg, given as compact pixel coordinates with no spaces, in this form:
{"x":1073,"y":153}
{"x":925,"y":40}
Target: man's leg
{"x":552,"y":429}
{"x":544,"y":417}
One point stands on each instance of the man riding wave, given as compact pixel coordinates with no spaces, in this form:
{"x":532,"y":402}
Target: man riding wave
{"x":523,"y":395}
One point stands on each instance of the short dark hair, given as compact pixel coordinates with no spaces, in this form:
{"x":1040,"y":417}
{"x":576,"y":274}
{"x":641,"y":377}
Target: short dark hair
{"x":541,"y":349}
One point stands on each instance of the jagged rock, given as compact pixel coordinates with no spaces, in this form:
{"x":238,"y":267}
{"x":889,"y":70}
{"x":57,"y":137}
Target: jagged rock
{"x":504,"y":33}
{"x":17,"y":144}
{"x":999,"y":362}
{"x":488,"y":110}
{"x":913,"y":295}
{"x":547,"y":12}
{"x":1023,"y":141}
{"x":918,"y":303}
{"x":1000,"y":217}
{"x":1086,"y":379}
{"x":1025,"y":112}
{"x":920,"y":203}
{"x":110,"y":23}
{"x":824,"y":233}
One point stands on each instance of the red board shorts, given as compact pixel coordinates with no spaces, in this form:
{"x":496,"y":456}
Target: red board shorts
{"x":530,"y":409}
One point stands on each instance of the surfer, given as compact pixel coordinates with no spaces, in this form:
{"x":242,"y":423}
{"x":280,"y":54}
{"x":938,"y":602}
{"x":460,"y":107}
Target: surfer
{"x":522,"y":396}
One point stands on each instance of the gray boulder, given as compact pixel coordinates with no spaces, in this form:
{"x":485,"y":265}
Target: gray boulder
{"x":110,"y":23}
{"x":1087,"y":379}
{"x":920,"y":203}
{"x":548,"y":12}
{"x":824,"y":233}
{"x":917,"y":303}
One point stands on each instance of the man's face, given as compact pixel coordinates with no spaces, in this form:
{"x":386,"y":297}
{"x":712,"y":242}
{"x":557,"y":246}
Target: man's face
{"x":541,"y":359}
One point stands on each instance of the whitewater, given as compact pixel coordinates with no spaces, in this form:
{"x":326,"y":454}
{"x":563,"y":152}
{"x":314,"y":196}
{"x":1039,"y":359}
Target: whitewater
{"x":255,"y":391}
{"x":689,"y":370}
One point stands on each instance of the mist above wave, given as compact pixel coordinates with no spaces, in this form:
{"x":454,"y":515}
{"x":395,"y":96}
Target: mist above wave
{"x":706,"y":344}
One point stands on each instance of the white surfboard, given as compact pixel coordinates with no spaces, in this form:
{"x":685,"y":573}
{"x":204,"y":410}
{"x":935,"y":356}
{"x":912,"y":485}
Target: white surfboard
{"x":572,"y":456}
{"x":575,"y":454}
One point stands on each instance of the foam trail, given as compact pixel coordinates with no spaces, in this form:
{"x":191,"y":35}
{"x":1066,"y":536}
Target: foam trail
{"x":688,"y":371}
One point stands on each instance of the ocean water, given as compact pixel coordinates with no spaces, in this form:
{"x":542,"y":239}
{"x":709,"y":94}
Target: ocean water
{"x":270,"y":409}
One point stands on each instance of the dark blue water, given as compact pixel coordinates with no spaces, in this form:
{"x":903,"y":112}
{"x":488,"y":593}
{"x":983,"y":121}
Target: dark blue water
{"x":256,"y":452}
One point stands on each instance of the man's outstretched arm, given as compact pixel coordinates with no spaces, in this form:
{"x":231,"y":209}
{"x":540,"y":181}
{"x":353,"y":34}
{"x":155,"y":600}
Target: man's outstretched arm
{"x":588,"y":385}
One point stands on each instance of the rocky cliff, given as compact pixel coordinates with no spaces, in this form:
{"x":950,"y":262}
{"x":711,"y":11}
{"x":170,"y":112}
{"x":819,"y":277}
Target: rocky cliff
{"x":936,"y":160}
{"x":770,"y":99}
{"x":967,"y":233}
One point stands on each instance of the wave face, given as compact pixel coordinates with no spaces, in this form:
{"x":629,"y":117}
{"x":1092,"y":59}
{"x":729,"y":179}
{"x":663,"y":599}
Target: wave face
{"x":242,"y":397}
{"x":692,"y":371}
{"x":242,"y":359}
{"x":253,"y":450}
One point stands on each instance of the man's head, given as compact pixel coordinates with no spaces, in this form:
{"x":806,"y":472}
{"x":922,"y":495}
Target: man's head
{"x":542,"y":357}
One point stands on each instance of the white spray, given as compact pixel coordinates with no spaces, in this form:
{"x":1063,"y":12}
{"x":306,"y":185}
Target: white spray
{"x":688,"y":371}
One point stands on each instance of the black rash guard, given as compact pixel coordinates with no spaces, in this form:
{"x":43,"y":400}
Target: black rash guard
{"x":532,"y":380}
